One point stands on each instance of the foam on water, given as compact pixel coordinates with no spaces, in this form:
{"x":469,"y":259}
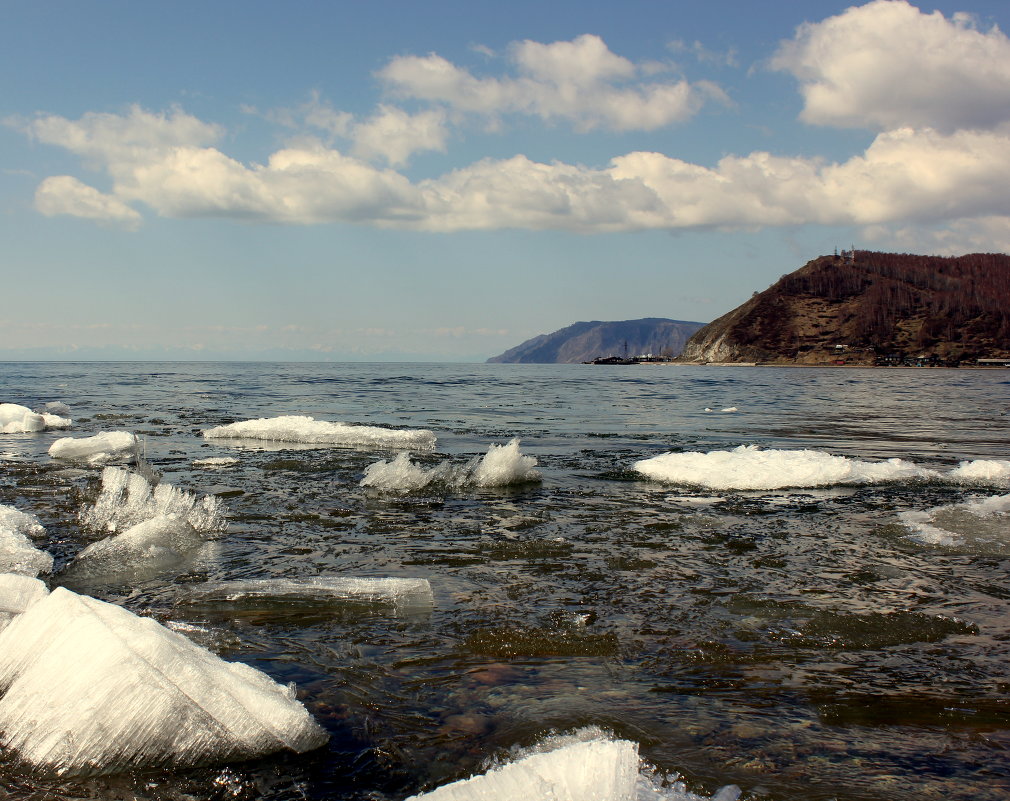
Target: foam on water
{"x":128,"y":498}
{"x":17,"y":553}
{"x":585,"y":766}
{"x":401,"y":592}
{"x":91,"y":688}
{"x":978,"y":523}
{"x":16,"y":419}
{"x":501,"y":466}
{"x":107,"y":446}
{"x":301,"y":429}
{"x":17,"y":593}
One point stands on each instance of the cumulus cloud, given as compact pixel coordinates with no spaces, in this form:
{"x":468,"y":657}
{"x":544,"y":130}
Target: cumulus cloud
{"x":64,"y":194}
{"x":581,"y":81}
{"x":888,"y":65}
{"x":395,"y":135}
{"x":907,"y":176}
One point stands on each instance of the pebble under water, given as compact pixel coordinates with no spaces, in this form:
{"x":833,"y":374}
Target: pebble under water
{"x":801,"y":643}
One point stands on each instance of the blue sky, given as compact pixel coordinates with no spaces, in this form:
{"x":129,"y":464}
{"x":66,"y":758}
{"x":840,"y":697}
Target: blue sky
{"x":442,"y":180}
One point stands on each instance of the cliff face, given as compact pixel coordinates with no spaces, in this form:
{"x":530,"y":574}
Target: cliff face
{"x":863,"y":307}
{"x":585,"y":341}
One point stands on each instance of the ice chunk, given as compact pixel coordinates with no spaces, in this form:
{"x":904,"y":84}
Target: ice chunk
{"x":597,"y":769}
{"x":293,"y":428}
{"x":17,"y":593}
{"x":501,"y":466}
{"x":15,"y":419}
{"x":982,"y":471}
{"x":403,"y":593}
{"x":17,"y":553}
{"x":92,"y":689}
{"x":145,"y":550}
{"x":979,"y":523}
{"x":55,"y":407}
{"x":751,"y":468}
{"x":127,"y":498}
{"x":105,"y":447}
{"x":216,"y":461}
{"x":55,"y":421}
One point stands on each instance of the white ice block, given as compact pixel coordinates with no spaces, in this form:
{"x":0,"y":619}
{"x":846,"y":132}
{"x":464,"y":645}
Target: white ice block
{"x":401,"y":592}
{"x":17,"y":593}
{"x":17,"y":553}
{"x":596,"y":770}
{"x":301,"y":429}
{"x":501,"y":466}
{"x":16,"y":419}
{"x":107,"y":446}
{"x":91,"y":688}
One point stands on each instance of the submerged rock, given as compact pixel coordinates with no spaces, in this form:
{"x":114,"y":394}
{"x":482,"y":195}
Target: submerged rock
{"x":91,"y":688}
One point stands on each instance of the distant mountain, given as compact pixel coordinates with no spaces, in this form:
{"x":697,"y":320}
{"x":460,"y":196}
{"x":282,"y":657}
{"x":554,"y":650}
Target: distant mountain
{"x":586,"y":341}
{"x":869,"y":308}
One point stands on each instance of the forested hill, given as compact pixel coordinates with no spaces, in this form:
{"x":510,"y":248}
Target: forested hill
{"x":864,"y":307}
{"x":585,"y":341}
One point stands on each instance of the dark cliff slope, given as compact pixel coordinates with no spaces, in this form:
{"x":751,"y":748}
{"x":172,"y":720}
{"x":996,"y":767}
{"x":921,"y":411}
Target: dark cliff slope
{"x":864,"y":306}
{"x":585,"y":341}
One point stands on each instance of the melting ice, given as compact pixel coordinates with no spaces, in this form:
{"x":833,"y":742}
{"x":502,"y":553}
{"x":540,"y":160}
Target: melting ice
{"x":501,"y":466}
{"x":307,"y":430}
{"x":401,"y":592}
{"x":15,"y":419}
{"x":107,"y":446}
{"x":978,"y":523}
{"x":749,"y":467}
{"x":17,"y":553}
{"x":91,"y":688}
{"x":586,"y":766}
{"x":17,"y":593}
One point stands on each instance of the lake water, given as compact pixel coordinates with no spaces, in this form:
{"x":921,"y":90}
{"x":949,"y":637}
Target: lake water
{"x":800,"y":642}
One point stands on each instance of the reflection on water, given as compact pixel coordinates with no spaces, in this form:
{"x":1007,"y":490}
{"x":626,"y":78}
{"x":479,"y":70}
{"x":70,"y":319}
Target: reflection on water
{"x":796,"y":642}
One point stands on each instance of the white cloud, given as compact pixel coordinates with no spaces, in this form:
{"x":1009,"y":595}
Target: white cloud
{"x":887,"y":65}
{"x":395,"y":135}
{"x":905,"y":178}
{"x":980,"y":235}
{"x":581,"y":81}
{"x":64,"y":194}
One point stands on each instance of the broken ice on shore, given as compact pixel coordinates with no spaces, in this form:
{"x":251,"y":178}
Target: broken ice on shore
{"x":404,"y":594}
{"x":91,"y":688}
{"x":585,"y":766}
{"x":108,"y":446}
{"x":16,"y":419}
{"x":501,"y":466}
{"x":17,"y":553}
{"x":307,"y":430}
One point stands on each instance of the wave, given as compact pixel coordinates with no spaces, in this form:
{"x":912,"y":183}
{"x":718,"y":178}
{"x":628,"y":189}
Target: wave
{"x":749,"y":467}
{"x":501,"y":466}
{"x":307,"y":430}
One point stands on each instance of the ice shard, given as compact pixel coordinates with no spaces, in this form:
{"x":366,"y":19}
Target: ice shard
{"x":105,"y":447}
{"x":17,"y":593}
{"x":91,"y":688}
{"x":17,"y":553}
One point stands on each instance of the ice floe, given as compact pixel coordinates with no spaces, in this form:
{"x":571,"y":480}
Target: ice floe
{"x":586,"y":766}
{"x":501,"y":466}
{"x":212,"y":462}
{"x":17,"y":553}
{"x":17,"y":593}
{"x":128,"y":498}
{"x":307,"y":430}
{"x":749,"y":467}
{"x":402,"y":593}
{"x":91,"y":688}
{"x":979,"y":523}
{"x":107,"y":446}
{"x":16,"y":419}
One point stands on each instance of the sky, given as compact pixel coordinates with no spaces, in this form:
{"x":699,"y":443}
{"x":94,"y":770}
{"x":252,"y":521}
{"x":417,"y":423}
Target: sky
{"x":440,"y":181}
